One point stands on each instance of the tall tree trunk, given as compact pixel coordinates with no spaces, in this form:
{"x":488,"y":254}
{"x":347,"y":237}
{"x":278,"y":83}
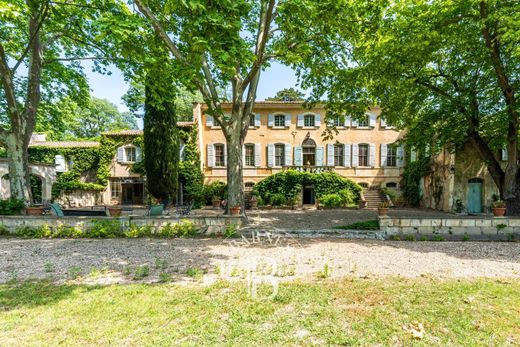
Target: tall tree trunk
{"x":235,"y":179}
{"x":18,"y":160}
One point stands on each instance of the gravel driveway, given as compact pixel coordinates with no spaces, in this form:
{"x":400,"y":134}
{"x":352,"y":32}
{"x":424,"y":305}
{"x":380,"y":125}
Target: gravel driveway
{"x":115,"y":260}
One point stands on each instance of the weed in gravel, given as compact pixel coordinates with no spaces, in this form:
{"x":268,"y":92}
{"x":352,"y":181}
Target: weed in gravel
{"x":141,"y":272}
{"x":48,"y":267}
{"x":465,"y":237}
{"x":439,"y":238}
{"x":74,"y":272}
{"x":409,"y":237}
{"x":160,"y":263}
{"x":195,"y":272}
{"x":325,"y":273}
{"x":165,"y":277}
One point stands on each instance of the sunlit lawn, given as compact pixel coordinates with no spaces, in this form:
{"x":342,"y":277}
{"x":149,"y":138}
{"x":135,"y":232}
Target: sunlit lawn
{"x":345,"y":312}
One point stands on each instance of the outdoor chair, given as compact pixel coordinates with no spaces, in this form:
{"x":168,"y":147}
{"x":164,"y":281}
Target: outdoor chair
{"x":61,"y":212}
{"x":183,"y":210}
{"x":156,"y":210}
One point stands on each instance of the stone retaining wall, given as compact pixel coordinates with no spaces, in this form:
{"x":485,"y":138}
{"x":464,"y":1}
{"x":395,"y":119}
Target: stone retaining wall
{"x":450,"y":226}
{"x":206,"y":224}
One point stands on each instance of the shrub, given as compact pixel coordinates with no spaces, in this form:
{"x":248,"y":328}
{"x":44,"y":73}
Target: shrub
{"x":105,"y":229}
{"x":214,"y":189}
{"x":286,"y":183}
{"x":10,"y":207}
{"x":182,"y":229}
{"x":348,"y":197}
{"x":3,"y":231}
{"x":331,"y":200}
{"x":231,"y":231}
{"x":277,"y":199}
{"x":135,"y":231}
{"x":332,"y":183}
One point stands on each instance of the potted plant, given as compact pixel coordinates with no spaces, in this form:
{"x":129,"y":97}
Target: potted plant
{"x":254,"y":202}
{"x":235,"y":210}
{"x":114,"y":211}
{"x":382,"y":210}
{"x":499,"y":208}
{"x":34,"y":210}
{"x":215,"y":201}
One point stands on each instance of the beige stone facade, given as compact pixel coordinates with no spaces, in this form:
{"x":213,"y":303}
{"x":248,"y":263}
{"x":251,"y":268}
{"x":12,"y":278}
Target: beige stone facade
{"x":285,"y":135}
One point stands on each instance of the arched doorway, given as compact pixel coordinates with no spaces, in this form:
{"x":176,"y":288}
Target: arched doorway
{"x":309,"y":151}
{"x":474,"y":195}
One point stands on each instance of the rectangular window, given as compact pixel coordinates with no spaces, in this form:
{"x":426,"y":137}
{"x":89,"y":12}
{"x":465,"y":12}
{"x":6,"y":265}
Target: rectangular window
{"x":338,"y":121}
{"x":339,"y":155}
{"x":279,"y":120}
{"x":250,"y":155}
{"x":308,"y":120}
{"x":252,"y":120}
{"x":130,"y":153}
{"x":364,"y":123}
{"x":219,"y":155}
{"x":115,"y":190}
{"x":279,"y":155}
{"x":363,"y":154}
{"x":391,"y":155}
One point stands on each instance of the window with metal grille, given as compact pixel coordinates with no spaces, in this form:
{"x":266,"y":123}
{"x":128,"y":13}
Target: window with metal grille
{"x":363,"y":153}
{"x":219,"y":155}
{"x":339,"y":155}
{"x":308,"y":120}
{"x":250,"y":155}
{"x":279,"y":155}
{"x":391,"y":155}
{"x":279,"y":120}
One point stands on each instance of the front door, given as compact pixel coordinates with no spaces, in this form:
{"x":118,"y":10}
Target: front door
{"x":308,"y":196}
{"x":128,"y":194}
{"x":474,"y":197}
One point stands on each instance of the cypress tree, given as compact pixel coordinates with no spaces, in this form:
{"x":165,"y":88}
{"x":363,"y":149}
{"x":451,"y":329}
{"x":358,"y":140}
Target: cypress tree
{"x":161,"y":136}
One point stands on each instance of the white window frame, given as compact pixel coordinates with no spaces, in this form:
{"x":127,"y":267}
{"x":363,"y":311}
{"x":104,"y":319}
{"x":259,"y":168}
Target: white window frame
{"x":367,"y":163}
{"x":279,"y":160}
{"x":217,"y":162}
{"x":339,"y":159}
{"x":251,"y":162}
{"x":276,"y":124}
{"x":309,"y":117}
{"x":391,"y":155}
{"x":130,"y":148}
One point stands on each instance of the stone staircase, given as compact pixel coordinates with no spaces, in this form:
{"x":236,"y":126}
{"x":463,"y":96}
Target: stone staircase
{"x":374,"y":198}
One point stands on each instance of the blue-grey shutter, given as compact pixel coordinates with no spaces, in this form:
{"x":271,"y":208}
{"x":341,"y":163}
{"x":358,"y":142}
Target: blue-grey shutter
{"x":258,"y":154}
{"x":347,"y":155}
{"x":257,"y":120}
{"x":59,"y":161}
{"x":209,"y":121}
{"x":372,"y":155}
{"x":348,"y":121}
{"x":355,"y":155}
{"x":270,"y":155}
{"x":330,"y":155}
{"x":288,"y":155}
{"x":270,"y":120}
{"x":372,"y":120}
{"x":138,"y":154}
{"x":298,"y":156}
{"x":225,"y":155}
{"x":400,"y":156}
{"x":383,"y":122}
{"x":287,"y":120}
{"x":319,"y":155}
{"x":121,"y":154}
{"x":317,"y":121}
{"x":300,"y":121}
{"x":210,"y":152}
{"x":384,"y":155}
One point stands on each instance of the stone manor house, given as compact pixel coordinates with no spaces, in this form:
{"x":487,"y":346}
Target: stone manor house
{"x":283,"y":135}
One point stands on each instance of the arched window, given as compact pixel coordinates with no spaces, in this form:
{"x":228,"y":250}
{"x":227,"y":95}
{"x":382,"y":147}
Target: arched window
{"x":391,"y":185}
{"x":309,"y":120}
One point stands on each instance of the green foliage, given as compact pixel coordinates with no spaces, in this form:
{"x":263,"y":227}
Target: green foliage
{"x":365,"y":225}
{"x":288,"y":94}
{"x":231,"y":231}
{"x":184,"y":228}
{"x":213,"y":190}
{"x":195,"y":273}
{"x":288,"y":184}
{"x":412,"y":175}
{"x":190,"y":173}
{"x":105,"y":229}
{"x":3,"y":231}
{"x":331,"y":200}
{"x":11,"y":207}
{"x":141,"y":272}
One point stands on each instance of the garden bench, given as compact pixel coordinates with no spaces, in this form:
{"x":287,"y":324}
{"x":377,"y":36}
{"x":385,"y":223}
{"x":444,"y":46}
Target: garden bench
{"x":61,"y":212}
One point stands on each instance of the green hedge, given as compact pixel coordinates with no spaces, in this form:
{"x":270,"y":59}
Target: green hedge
{"x":290,"y":183}
{"x":10,"y":207}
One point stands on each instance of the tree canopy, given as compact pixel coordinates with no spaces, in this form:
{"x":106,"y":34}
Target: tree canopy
{"x":288,"y":94}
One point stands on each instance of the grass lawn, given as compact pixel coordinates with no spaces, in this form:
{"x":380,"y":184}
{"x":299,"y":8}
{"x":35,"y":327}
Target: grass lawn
{"x":342,"y":312}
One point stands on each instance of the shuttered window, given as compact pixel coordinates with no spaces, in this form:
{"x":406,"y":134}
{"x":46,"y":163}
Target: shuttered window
{"x":364,"y":122}
{"x":279,"y":120}
{"x":339,"y":155}
{"x":363,"y":154}
{"x":249,"y":154}
{"x":308,"y":120}
{"x":391,"y":155}
{"x":219,"y":155}
{"x":279,"y":155}
{"x":131,"y":154}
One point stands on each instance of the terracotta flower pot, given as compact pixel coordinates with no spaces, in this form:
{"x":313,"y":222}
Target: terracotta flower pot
{"x":34,"y":211}
{"x":499,"y":211}
{"x":215,"y":203}
{"x":235,"y":210}
{"x":115,"y":211}
{"x":382,"y":211}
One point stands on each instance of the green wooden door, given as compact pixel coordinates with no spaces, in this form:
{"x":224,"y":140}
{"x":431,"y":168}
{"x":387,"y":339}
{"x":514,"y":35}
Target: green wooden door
{"x":475,"y":197}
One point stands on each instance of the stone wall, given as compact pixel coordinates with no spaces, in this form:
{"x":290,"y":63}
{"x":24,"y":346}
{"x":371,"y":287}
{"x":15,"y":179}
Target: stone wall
{"x":81,"y":198}
{"x":450,"y":226}
{"x":206,"y":225}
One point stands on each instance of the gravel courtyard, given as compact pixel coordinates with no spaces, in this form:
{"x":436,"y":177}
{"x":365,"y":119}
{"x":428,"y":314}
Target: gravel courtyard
{"x":115,"y":260}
